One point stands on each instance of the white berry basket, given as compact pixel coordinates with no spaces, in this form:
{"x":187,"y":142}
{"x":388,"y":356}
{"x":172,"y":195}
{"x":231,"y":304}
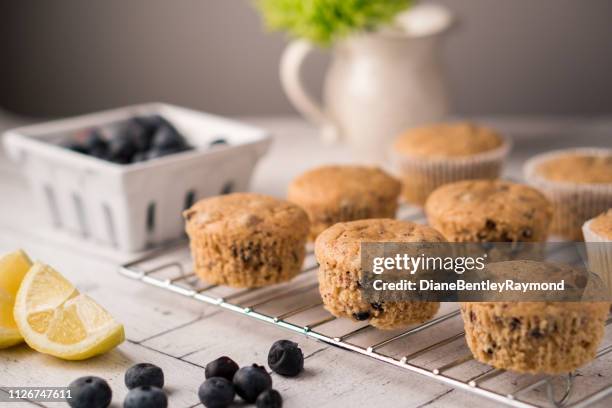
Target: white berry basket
{"x":136,"y":206}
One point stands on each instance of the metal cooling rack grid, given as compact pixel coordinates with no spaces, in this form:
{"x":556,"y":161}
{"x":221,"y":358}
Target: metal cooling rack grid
{"x":441,"y":355}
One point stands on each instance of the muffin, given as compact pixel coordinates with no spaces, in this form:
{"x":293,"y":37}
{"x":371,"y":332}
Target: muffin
{"x":430,"y":156}
{"x":489,"y":211}
{"x":332,"y":194}
{"x":534,"y":337}
{"x":338,"y":251}
{"x":577,"y":181}
{"x":246,"y":240}
{"x":598,"y":236}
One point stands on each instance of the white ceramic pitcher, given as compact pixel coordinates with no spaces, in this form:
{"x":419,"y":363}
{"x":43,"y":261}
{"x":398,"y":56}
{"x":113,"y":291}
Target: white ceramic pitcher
{"x":378,"y":84}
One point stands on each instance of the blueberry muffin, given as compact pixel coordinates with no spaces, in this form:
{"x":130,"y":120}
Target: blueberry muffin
{"x":430,"y":156}
{"x":332,"y":194}
{"x":489,"y":211}
{"x":246,"y":240}
{"x":534,"y":337}
{"x":338,"y":251}
{"x":577,"y":181}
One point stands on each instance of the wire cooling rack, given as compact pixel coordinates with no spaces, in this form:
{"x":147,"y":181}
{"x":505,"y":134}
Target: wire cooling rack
{"x":435,"y":349}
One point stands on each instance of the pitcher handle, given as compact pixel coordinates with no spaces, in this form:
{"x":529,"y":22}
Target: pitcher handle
{"x":290,"y":68}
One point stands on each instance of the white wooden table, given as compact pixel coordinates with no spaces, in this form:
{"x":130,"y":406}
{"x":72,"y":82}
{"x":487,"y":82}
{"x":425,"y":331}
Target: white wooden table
{"x":181,"y":335}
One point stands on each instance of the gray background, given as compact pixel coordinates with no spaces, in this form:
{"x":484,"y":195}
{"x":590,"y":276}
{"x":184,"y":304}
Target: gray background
{"x":68,"y":56}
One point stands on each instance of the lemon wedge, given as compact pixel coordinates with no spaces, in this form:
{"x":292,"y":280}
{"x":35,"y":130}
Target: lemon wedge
{"x":54,"y":318}
{"x":13,"y":267}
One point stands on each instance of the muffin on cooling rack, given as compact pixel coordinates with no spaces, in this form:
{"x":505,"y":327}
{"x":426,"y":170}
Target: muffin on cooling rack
{"x":430,"y":156}
{"x":534,"y":337}
{"x":338,"y":251}
{"x":577,"y":181}
{"x":332,"y":194}
{"x":246,"y":239}
{"x":489,"y":211}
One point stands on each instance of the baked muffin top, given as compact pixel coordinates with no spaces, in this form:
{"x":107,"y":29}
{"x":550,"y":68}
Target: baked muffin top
{"x":247,"y":213}
{"x":334,"y":184}
{"x":448,"y":140}
{"x":489,"y":204}
{"x":577,"y":167}
{"x":343,"y":240}
{"x":602,"y":224}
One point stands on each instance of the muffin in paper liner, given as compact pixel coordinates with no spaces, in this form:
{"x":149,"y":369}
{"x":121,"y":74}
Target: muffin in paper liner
{"x":574,"y":202}
{"x":421,"y":175}
{"x":599,"y":253}
{"x":534,"y":337}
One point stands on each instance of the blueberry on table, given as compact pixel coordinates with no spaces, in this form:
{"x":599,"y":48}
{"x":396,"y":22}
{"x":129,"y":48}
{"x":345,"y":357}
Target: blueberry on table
{"x":269,"y":399}
{"x":167,"y":137}
{"x":144,"y":374}
{"x":251,"y":381}
{"x":216,"y":392}
{"x":286,"y":358}
{"x":146,"y":397}
{"x":222,"y":367}
{"x":89,"y":392}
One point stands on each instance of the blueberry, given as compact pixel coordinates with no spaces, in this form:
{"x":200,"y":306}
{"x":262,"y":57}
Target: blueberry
{"x":96,"y":145}
{"x":145,"y":397}
{"x":121,"y":149}
{"x":269,"y":399}
{"x":251,"y":381}
{"x":89,"y":392}
{"x":150,"y":122}
{"x":139,"y":157}
{"x":140,"y":135}
{"x":167,"y":137}
{"x":286,"y":358}
{"x":144,"y":374}
{"x":218,"y":142}
{"x":216,"y":392}
{"x":75,"y":147}
{"x":222,"y":367}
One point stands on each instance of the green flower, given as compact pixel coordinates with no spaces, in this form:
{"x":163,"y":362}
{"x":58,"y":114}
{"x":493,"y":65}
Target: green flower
{"x":325,"y":21}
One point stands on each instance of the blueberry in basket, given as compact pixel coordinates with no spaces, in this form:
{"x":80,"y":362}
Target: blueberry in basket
{"x":135,"y":140}
{"x":89,"y":392}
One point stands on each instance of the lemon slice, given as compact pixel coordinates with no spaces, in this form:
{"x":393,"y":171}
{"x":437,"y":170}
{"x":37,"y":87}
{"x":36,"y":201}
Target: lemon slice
{"x":13,"y":268}
{"x":54,"y":318}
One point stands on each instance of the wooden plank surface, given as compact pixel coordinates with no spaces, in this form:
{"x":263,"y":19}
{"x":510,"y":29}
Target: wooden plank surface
{"x":182,"y":335}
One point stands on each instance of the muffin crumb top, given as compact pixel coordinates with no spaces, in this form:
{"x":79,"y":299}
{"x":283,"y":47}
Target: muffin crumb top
{"x":448,"y":140}
{"x":602,"y":224}
{"x":490,"y":204}
{"x":578,"y":168}
{"x":344,"y":239}
{"x":335,"y":183}
{"x":249,"y":212}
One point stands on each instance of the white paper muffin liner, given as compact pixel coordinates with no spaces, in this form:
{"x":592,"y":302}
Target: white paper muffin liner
{"x":574,"y":203}
{"x":599,"y":255}
{"x":421,"y":175}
